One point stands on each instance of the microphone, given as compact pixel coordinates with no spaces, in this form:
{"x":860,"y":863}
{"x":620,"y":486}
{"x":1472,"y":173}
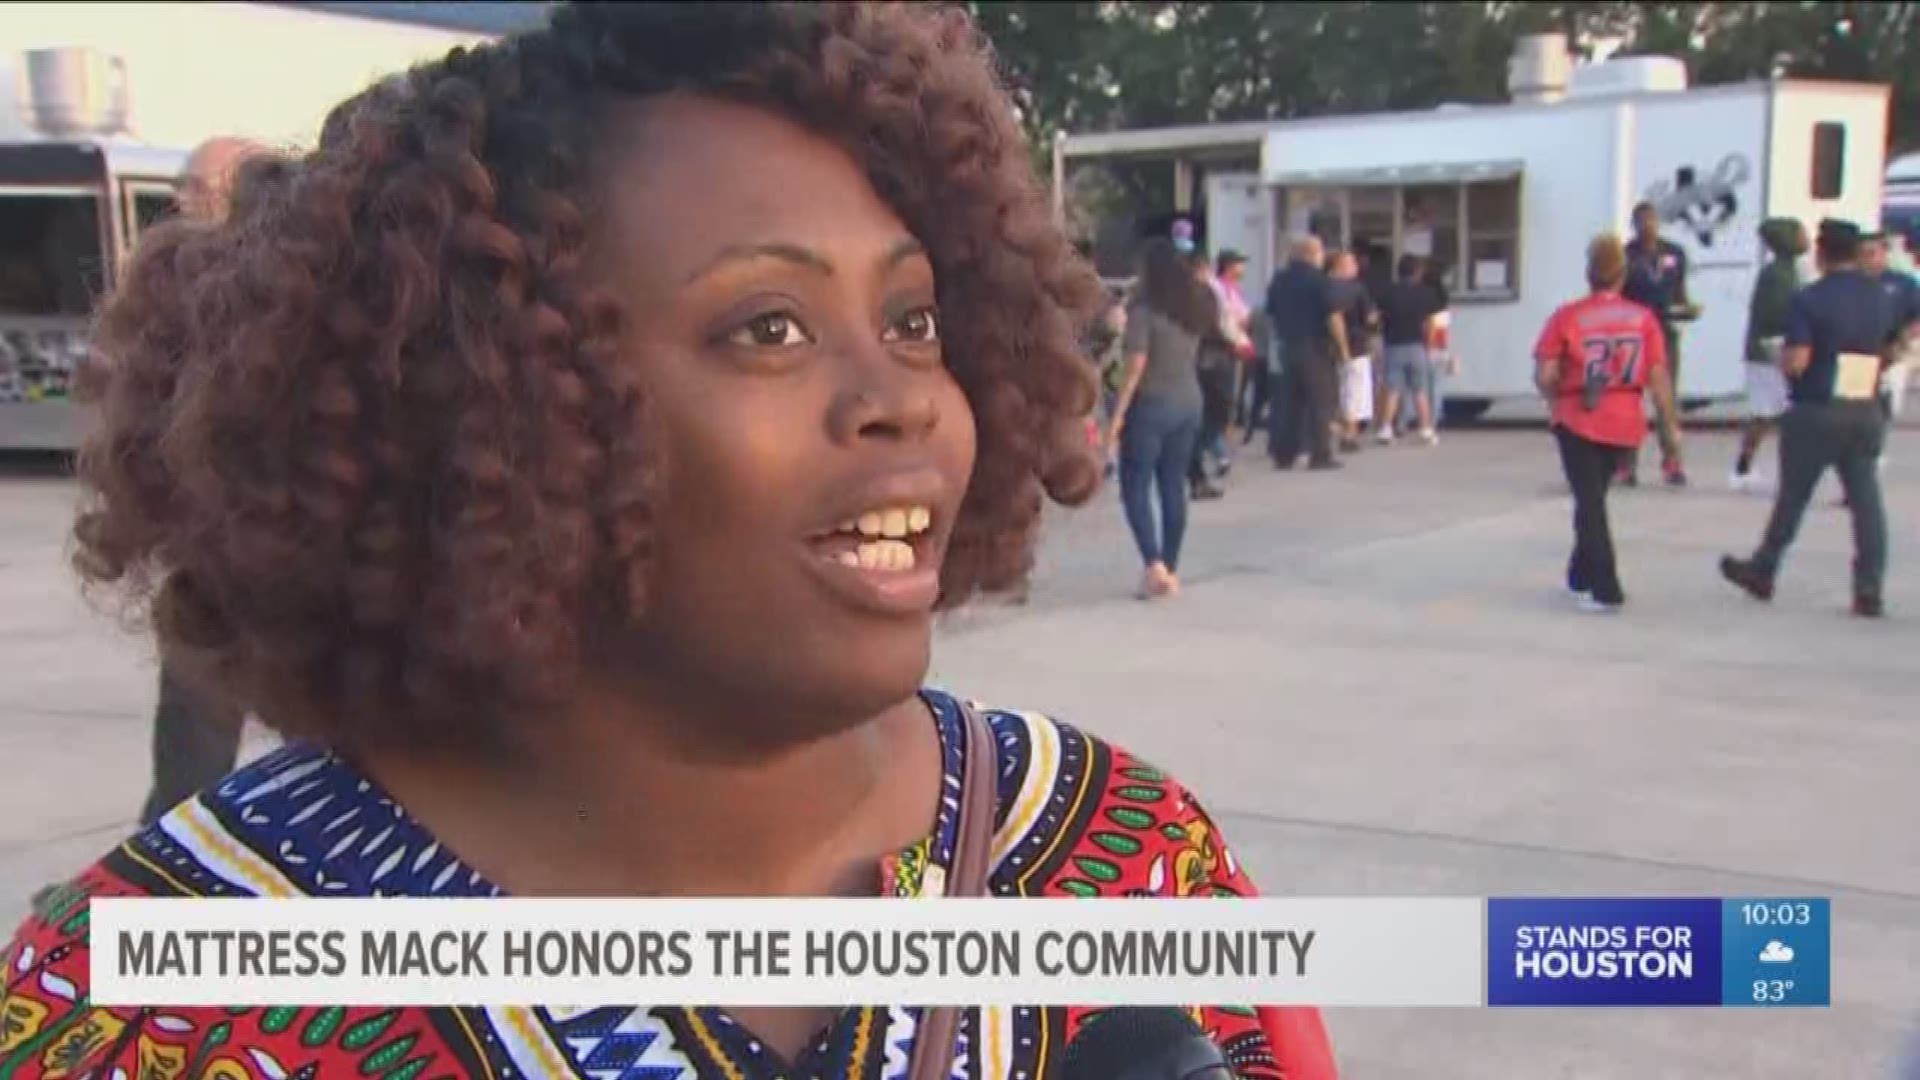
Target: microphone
{"x":1143,"y":1044}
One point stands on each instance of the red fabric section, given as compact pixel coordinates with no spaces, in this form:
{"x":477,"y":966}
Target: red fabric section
{"x":1300,"y":1043}
{"x":1603,"y":336}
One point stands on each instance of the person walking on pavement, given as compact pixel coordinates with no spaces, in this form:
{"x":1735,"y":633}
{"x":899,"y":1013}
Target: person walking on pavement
{"x":1785,"y":240}
{"x":1236,"y":326}
{"x":1597,"y":357}
{"x":1310,"y":344}
{"x":1657,"y":278}
{"x":1839,"y":332}
{"x":1157,"y":416}
{"x":196,"y":735}
{"x":1903,"y":297}
{"x":1220,"y":347}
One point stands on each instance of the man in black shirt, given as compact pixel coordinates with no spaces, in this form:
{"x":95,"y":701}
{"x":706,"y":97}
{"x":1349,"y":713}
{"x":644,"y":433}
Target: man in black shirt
{"x":1657,"y":278}
{"x":1309,"y":345}
{"x":1407,"y":312}
{"x":1838,"y":335}
{"x":1354,"y":304}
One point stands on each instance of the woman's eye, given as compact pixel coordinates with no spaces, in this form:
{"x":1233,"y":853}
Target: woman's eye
{"x":919,"y":325}
{"x":774,"y":330}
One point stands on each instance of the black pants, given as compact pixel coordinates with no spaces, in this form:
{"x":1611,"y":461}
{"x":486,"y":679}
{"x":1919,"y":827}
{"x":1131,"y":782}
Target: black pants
{"x":1589,"y":467}
{"x":1302,"y":409}
{"x":1251,"y":399}
{"x":1670,"y":335}
{"x":1848,"y":437}
{"x":196,"y":739}
{"x":1216,"y":409}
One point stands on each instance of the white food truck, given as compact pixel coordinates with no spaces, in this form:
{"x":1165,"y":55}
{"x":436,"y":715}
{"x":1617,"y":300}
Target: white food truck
{"x":69,"y":213}
{"x":86,"y":163}
{"x":1505,"y":197}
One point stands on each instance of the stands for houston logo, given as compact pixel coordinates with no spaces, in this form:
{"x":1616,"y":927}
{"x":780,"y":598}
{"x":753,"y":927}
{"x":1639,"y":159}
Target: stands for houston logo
{"x":1603,"y":952}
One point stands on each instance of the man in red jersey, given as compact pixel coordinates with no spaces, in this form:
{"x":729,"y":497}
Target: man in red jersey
{"x":1596,"y":357}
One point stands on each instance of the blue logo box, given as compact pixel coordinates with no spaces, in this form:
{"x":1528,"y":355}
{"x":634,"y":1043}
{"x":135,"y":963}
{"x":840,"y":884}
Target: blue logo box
{"x":1777,"y":952}
{"x":1618,"y":952}
{"x":1752,"y":952}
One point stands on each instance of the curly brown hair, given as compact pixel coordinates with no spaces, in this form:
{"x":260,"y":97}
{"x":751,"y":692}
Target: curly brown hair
{"x":364,"y":447}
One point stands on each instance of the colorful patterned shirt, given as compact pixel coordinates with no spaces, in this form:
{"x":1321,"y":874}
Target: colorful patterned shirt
{"x":1078,"y":818}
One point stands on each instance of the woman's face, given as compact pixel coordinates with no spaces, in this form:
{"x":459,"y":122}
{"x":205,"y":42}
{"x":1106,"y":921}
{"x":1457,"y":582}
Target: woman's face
{"x":815,"y":448}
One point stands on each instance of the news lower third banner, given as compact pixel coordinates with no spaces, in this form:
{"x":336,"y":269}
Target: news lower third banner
{"x":1392,"y":952}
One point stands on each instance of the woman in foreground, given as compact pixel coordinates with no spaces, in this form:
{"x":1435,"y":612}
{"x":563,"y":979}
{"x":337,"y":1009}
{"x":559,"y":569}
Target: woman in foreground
{"x":569,"y":457}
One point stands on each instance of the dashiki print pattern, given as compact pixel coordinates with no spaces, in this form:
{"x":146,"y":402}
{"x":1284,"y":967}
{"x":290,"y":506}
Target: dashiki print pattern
{"x":1078,"y":819}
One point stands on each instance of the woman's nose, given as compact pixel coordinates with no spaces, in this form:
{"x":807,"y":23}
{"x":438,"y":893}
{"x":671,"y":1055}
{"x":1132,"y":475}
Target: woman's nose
{"x":888,"y":401}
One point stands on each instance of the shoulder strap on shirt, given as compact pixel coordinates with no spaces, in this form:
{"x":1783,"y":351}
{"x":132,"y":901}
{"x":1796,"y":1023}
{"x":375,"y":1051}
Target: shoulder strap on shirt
{"x":972,"y":865}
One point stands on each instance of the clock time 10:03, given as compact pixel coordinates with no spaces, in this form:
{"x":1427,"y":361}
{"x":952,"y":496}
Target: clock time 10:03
{"x":1780,"y":913}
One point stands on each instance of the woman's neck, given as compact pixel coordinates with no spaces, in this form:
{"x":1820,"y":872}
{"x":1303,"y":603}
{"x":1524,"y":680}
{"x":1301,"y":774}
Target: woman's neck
{"x":614,"y":801}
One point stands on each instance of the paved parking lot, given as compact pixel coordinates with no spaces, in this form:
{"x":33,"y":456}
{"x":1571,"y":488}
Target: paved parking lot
{"x":1374,"y":682}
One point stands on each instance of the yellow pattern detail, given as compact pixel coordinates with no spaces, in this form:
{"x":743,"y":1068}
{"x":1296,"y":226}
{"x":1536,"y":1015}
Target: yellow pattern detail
{"x":1193,"y":865}
{"x":551,"y":1064}
{"x":993,"y":1056}
{"x":225,"y":1069}
{"x":1073,"y":811}
{"x":160,"y":1061}
{"x":1042,"y":1019}
{"x":479,"y":1049}
{"x":1045,"y":740}
{"x":249,"y":865}
{"x":20,"y":1020}
{"x":712,"y":1047}
{"x":862,"y":1035}
{"x":70,"y":1054}
{"x":130,"y":851}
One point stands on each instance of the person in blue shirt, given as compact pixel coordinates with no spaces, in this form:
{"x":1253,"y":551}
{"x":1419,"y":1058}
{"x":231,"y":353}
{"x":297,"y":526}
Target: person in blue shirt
{"x":1657,"y":279}
{"x":1839,"y":331}
{"x":1903,"y":300}
{"x":1310,"y":343}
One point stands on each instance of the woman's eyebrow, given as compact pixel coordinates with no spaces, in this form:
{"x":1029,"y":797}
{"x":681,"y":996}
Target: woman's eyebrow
{"x":803,"y":257}
{"x":903,"y":249}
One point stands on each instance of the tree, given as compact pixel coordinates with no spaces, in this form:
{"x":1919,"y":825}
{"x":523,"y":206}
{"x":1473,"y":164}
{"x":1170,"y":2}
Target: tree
{"x":1097,"y":66}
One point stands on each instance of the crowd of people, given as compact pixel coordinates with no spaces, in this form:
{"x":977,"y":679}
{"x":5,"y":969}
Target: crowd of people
{"x":1191,"y":369}
{"x":1826,"y":367}
{"x":1325,"y":359}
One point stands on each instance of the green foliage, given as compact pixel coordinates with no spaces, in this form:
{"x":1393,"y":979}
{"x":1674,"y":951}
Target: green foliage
{"x":1090,"y":66}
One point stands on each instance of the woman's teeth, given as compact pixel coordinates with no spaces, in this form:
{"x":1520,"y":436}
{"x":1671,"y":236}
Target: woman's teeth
{"x":884,"y":535}
{"x":894,"y":523}
{"x":879,"y":555}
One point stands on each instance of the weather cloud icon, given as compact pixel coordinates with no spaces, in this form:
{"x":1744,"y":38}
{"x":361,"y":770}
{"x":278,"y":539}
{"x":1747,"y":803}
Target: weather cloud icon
{"x":1776,"y":953}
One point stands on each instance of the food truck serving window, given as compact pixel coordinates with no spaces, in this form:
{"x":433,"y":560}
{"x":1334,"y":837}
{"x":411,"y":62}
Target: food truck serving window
{"x":1465,"y":218}
{"x":52,"y":267}
{"x":52,"y":262}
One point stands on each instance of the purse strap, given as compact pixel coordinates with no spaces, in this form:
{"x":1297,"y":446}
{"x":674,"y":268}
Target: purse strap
{"x":972,"y":864}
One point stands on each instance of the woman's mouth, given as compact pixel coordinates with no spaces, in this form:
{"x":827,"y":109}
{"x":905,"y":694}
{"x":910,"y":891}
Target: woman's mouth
{"x":887,"y":540}
{"x":885,"y":561}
